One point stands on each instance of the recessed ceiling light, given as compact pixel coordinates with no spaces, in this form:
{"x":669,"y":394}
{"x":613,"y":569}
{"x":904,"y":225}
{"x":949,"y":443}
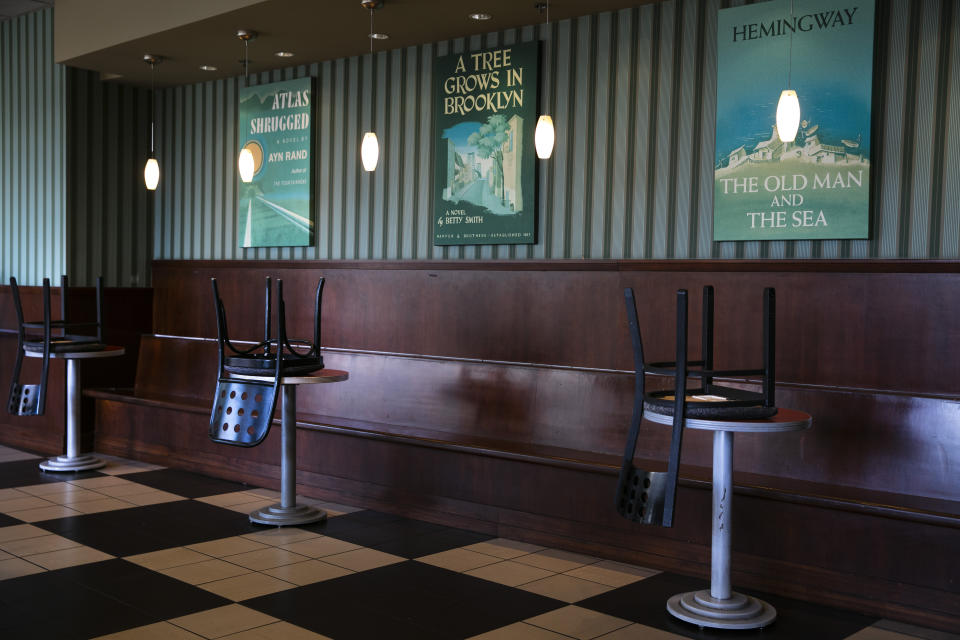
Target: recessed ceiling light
{"x":378,"y":36}
{"x":207,"y":67}
{"x":480,"y":16}
{"x":284,"y":54}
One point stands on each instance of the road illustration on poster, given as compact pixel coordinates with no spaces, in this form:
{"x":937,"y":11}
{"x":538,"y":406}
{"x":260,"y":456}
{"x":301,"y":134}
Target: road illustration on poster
{"x":274,"y":123}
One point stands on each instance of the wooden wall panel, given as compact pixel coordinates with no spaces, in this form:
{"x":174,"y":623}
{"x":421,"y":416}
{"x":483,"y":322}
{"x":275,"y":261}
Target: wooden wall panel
{"x":860,"y":325}
{"x":887,"y":567}
{"x":127,"y":315}
{"x":497,"y":396}
{"x":543,"y":347}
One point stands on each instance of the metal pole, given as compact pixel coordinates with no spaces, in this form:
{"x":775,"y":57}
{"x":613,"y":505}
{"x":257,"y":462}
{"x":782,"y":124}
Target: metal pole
{"x":722,"y":516}
{"x":288,"y":445}
{"x":73,"y":408}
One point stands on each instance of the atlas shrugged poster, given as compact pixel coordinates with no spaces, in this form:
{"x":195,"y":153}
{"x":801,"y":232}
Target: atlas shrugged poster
{"x":816,"y":187}
{"x":484,"y":160}
{"x":274,"y":121}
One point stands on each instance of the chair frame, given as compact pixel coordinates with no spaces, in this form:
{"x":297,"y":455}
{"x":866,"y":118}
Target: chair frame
{"x":649,"y":497}
{"x":280,"y":353}
{"x":20,"y":399}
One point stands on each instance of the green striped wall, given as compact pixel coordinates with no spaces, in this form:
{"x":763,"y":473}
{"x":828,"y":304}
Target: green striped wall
{"x":633,"y":98}
{"x":108,"y":140}
{"x":32,"y":139}
{"x":72,"y":151}
{"x":630,"y":178}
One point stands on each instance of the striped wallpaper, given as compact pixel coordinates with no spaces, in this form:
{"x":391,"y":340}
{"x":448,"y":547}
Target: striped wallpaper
{"x":108,"y":140}
{"x":633,"y":98}
{"x":71,"y":159}
{"x":632,"y":94}
{"x":32,"y":164}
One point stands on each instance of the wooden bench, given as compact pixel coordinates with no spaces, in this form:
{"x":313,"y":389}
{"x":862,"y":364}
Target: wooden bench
{"x":393,"y":438}
{"x":516,"y":425}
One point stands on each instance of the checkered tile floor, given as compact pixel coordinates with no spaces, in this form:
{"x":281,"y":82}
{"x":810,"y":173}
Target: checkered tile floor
{"x":140,"y":552}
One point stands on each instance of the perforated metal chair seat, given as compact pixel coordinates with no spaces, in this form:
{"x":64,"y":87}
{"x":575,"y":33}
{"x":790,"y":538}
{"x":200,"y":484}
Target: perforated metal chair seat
{"x":66,"y":344}
{"x":712,"y":403}
{"x":243,"y":408}
{"x":258,"y":365}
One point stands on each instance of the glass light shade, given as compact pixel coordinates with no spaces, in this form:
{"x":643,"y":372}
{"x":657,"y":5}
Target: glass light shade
{"x":788,"y":115}
{"x":246,"y":165}
{"x":544,"y":137}
{"x":151,"y":174}
{"x":369,"y":151}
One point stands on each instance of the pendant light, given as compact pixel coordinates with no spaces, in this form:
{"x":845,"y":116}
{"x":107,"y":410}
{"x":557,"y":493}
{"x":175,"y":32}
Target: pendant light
{"x":544,"y":136}
{"x":151,"y":171}
{"x":788,"y":108}
{"x":245,"y":163}
{"x":370,"y":146}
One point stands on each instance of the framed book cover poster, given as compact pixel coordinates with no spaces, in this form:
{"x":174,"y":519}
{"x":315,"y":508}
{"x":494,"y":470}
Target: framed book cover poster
{"x":817,"y":186}
{"x":484,"y":159}
{"x":275,"y":123}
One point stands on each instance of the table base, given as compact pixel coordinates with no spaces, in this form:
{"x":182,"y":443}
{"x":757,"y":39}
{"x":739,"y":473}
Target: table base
{"x":280,"y":516}
{"x":85,"y":462}
{"x":739,"y":611}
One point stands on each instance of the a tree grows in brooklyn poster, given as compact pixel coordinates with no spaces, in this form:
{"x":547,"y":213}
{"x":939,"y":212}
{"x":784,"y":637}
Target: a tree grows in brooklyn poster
{"x":484,"y":159}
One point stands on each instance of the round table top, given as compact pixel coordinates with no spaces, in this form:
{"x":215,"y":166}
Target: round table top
{"x":324,"y":375}
{"x":110,"y":351}
{"x":782,"y":420}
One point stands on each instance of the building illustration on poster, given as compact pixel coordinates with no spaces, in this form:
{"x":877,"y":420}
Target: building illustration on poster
{"x":816,"y":186}
{"x":274,"y":122}
{"x":484,"y":165}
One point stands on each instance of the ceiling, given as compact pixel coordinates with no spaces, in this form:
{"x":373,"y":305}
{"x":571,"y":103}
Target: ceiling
{"x":13,"y":8}
{"x":190,"y":34}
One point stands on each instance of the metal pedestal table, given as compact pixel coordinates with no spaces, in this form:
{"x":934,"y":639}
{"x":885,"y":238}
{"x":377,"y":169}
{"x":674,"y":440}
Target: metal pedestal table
{"x":287,"y":512}
{"x":74,"y":460}
{"x":720,"y":607}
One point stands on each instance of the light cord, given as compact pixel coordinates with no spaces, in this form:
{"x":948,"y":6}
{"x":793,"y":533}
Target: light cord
{"x":246,"y":62}
{"x":153,"y":100}
{"x":790,"y":59}
{"x":548,"y":39}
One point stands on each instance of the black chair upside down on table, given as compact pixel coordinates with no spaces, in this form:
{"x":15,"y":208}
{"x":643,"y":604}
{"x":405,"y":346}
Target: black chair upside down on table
{"x":45,"y":338}
{"x":649,"y":496}
{"x":243,"y":407}
{"x":248,"y":383}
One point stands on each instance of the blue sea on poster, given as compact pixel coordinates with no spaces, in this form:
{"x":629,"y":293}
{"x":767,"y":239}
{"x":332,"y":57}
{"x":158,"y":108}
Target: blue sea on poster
{"x":830,"y":67}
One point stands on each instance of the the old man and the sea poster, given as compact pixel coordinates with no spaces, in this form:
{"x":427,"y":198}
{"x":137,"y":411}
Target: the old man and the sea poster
{"x":817,"y":186}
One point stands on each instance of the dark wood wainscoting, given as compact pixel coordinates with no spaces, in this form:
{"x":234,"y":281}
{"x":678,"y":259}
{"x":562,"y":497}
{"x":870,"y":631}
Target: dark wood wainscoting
{"x":497,"y":395}
{"x":127,"y":315}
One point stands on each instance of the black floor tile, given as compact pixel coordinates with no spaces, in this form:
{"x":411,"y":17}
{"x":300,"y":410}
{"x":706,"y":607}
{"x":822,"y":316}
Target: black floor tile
{"x":185,"y":483}
{"x":372,"y":529}
{"x":152,"y":593}
{"x":6,"y":521}
{"x":143,"y":529}
{"x":48,"y":605}
{"x":404,"y":600}
{"x":22,"y":473}
{"x":417,"y":544}
{"x":645,"y":602}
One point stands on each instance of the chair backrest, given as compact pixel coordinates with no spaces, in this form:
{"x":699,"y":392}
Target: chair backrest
{"x":649,"y":497}
{"x":30,"y":399}
{"x":243,"y":408}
